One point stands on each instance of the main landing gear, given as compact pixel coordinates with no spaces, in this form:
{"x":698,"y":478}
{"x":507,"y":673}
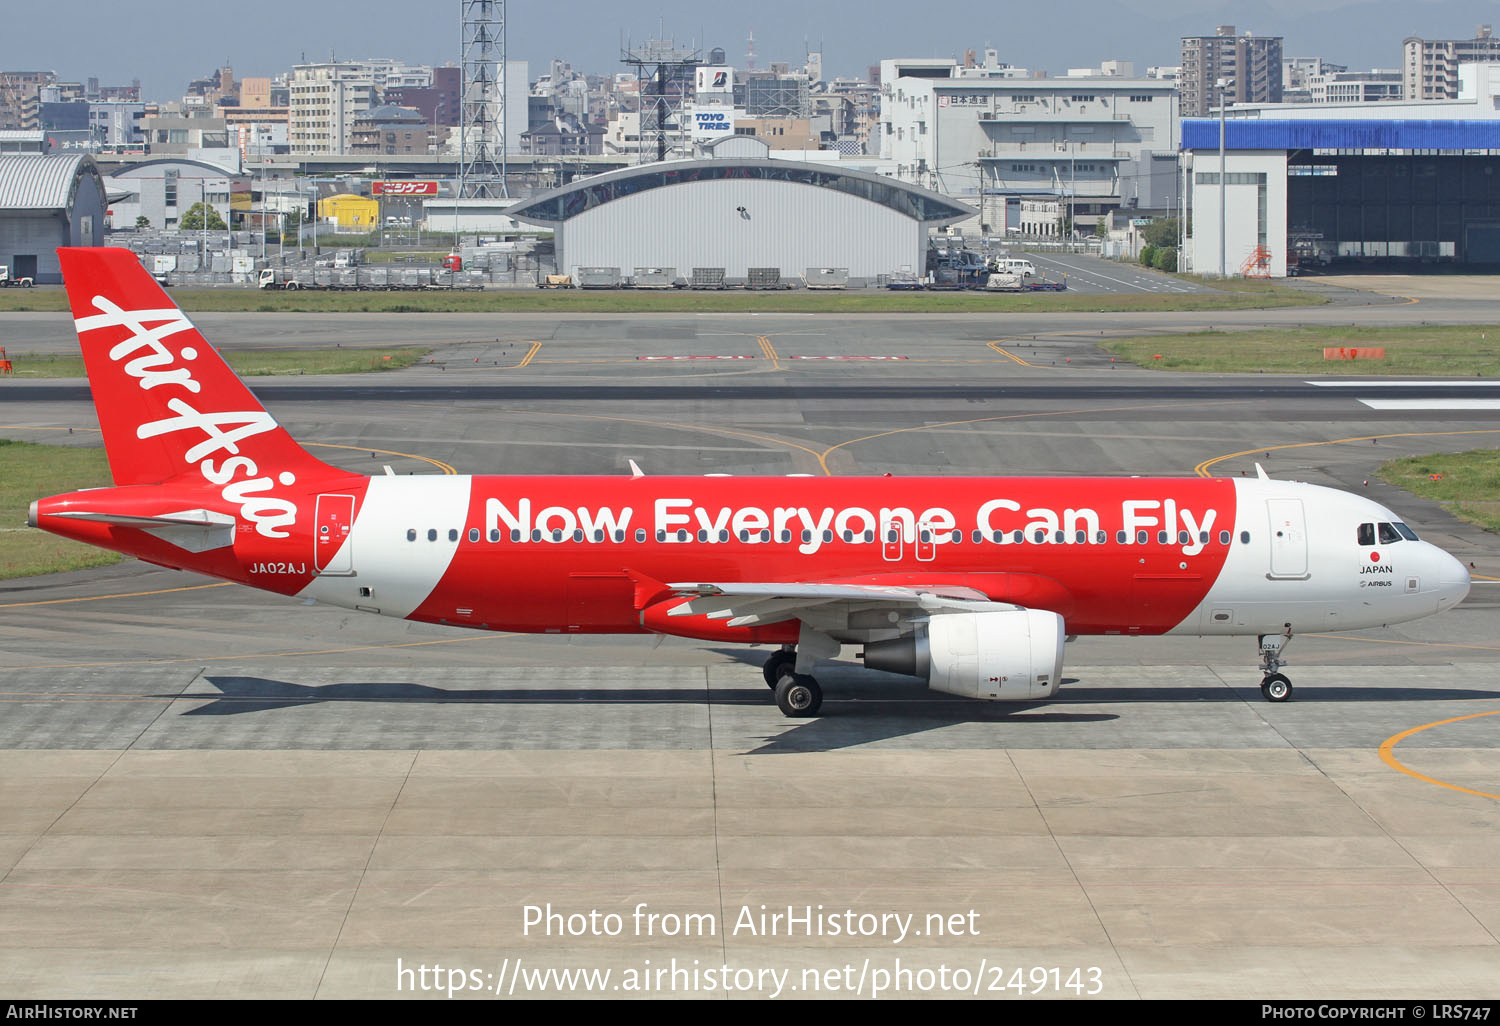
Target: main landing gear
{"x":797,"y":694}
{"x":1274,"y":685}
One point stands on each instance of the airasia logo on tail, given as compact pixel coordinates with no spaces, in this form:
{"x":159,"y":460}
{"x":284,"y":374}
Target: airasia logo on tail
{"x":146,"y":359}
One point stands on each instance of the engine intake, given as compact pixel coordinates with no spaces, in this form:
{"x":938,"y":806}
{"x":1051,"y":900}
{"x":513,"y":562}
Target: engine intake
{"x":1009,"y":655}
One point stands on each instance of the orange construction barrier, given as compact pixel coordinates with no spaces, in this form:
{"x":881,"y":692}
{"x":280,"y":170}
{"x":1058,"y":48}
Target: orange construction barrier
{"x":1353,"y":353}
{"x":5,"y":365}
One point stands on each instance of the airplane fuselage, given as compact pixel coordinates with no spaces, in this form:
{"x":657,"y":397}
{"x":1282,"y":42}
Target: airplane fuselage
{"x":594,"y":554}
{"x":970,"y":582}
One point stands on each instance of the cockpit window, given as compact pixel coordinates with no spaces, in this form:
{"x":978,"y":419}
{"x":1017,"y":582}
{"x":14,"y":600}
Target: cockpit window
{"x":1406,"y":532}
{"x":1388,"y":535}
{"x":1366,"y":534}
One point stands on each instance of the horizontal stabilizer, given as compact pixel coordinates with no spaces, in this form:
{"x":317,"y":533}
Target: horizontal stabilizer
{"x":193,"y":530}
{"x":187,"y":518}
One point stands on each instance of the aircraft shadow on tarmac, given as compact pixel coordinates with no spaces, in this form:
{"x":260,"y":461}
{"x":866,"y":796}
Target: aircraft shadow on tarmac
{"x":860,"y":708}
{"x":854,"y":697}
{"x":860,"y":712}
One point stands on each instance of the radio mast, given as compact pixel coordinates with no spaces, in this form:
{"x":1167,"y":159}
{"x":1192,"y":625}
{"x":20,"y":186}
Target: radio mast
{"x":481,"y":140}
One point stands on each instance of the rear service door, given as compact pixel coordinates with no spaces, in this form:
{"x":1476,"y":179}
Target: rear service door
{"x":333,"y":553}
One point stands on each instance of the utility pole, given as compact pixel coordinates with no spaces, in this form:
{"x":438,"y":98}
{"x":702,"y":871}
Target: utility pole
{"x":203,"y":225}
{"x":1222,"y":84}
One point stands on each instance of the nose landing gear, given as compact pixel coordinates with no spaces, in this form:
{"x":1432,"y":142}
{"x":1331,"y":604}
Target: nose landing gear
{"x":1275,"y":686}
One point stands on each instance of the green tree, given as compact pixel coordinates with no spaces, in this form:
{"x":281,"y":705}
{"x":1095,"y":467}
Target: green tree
{"x":1161,"y":232}
{"x":291,"y":225}
{"x":1148,"y":255}
{"x":193,"y":219}
{"x":1166,"y":259}
{"x":143,"y":221}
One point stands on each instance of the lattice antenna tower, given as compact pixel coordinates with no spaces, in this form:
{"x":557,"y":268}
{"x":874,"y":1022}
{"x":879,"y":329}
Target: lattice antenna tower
{"x":664,"y":77}
{"x":482,"y":152}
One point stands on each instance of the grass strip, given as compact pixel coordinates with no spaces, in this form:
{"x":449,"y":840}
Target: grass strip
{"x":29,"y":471}
{"x":1451,"y":351}
{"x":1467,"y":484}
{"x":251,"y":363}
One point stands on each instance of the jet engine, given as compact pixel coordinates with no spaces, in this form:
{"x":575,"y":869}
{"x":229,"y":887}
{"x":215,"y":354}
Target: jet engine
{"x":1009,"y":655}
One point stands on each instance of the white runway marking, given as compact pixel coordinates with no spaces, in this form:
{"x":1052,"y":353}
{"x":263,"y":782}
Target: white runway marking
{"x":1380,"y":383}
{"x":1432,"y":404}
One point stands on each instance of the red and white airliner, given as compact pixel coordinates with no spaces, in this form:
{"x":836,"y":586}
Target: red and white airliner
{"x":972,"y":583}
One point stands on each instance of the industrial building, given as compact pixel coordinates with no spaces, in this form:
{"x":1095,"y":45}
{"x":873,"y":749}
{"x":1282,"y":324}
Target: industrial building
{"x":47,"y":201}
{"x":162,"y":191}
{"x":1326,"y":184}
{"x":737,"y":213}
{"x":990,"y":135}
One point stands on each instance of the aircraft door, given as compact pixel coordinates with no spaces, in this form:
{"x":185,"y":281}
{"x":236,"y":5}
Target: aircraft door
{"x":926,"y":542}
{"x":890,"y":539}
{"x":335,"y":519}
{"x":1288,"y":526}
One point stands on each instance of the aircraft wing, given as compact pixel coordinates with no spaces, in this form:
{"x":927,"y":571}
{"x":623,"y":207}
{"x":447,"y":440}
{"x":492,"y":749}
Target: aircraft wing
{"x":746,"y":604}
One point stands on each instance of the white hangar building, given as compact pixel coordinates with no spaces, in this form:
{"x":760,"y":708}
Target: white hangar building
{"x":46,"y":202}
{"x":737,"y":213}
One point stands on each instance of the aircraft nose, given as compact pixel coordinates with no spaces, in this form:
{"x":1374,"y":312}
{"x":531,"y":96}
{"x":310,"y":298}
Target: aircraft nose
{"x":1453,"y":581}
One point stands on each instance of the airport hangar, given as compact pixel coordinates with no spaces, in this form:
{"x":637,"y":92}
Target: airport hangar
{"x":47,"y":201}
{"x":1350,"y":192}
{"x":737,"y":213}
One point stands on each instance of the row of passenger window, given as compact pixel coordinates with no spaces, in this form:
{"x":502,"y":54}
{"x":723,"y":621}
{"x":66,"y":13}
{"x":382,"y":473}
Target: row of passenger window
{"x":1038,"y":537}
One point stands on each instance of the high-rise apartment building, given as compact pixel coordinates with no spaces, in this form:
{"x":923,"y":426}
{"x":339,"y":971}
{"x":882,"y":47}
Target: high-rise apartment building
{"x":325,"y":99}
{"x":1252,"y":64}
{"x":1429,"y":67}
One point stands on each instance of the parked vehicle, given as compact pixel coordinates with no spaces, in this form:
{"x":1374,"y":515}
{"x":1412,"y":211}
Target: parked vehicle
{"x":1014,"y":265}
{"x":7,"y":281}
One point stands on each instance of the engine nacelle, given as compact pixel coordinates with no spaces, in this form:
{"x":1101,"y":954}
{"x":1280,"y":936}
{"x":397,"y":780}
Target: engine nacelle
{"x":1009,"y":655}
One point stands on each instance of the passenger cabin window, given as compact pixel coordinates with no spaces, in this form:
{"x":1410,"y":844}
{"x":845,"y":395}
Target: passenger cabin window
{"x":1366,"y":534}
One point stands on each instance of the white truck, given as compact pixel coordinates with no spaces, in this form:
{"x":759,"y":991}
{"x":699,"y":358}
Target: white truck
{"x":6,"y":281}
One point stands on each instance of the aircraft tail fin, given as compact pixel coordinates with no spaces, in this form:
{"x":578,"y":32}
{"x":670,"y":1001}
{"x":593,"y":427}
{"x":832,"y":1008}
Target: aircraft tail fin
{"x":167,"y":402}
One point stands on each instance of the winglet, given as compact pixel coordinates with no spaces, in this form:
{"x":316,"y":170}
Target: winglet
{"x":635,"y":469}
{"x":1260,"y":472}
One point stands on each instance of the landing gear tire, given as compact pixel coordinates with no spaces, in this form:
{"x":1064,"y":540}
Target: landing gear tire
{"x":798,"y":695}
{"x":780,"y":663}
{"x":1276,"y":688}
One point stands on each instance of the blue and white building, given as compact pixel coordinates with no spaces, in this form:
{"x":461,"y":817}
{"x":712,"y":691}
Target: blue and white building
{"x":1401,"y":184}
